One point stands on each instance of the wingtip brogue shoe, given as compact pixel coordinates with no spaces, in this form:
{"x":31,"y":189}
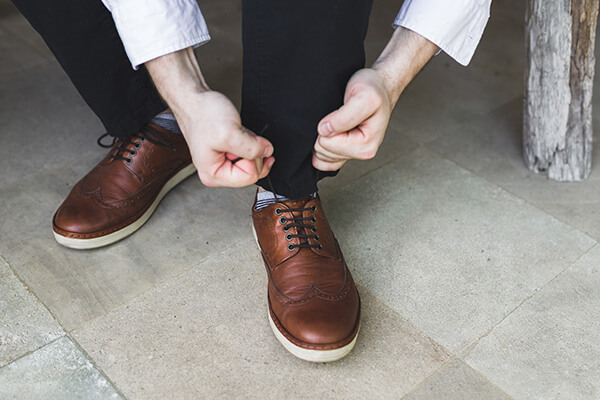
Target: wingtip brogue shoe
{"x":120,"y":193}
{"x":313,"y":303}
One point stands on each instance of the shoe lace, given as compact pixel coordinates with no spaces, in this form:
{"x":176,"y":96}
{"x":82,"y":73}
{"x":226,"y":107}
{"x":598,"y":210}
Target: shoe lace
{"x":295,"y":222}
{"x":124,"y":150}
{"x":302,"y":226}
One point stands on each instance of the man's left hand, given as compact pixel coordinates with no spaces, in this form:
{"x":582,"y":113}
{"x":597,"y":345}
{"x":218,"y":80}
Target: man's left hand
{"x":356,"y":129}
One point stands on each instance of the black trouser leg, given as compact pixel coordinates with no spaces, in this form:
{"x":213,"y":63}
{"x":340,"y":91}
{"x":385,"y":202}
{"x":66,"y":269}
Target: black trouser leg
{"x":298,"y":57}
{"x":83,"y":37}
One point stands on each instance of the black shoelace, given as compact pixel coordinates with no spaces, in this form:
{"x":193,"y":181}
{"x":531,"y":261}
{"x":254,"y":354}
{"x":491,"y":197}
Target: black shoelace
{"x":124,"y":150}
{"x":302,"y":227}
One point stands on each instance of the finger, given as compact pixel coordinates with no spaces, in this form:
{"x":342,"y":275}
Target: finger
{"x":325,"y":158}
{"x":326,"y":166}
{"x":356,"y":110}
{"x":353,"y":144}
{"x":240,"y":173}
{"x":326,"y":155}
{"x":244,"y":143}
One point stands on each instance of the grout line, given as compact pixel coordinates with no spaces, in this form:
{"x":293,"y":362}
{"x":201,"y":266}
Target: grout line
{"x":424,"y":381}
{"x":470,"y":348}
{"x":339,"y":189}
{"x":159,"y":285}
{"x":30,"y":291}
{"x":93,"y":362}
{"x":35,"y":50}
{"x":507,"y":190}
{"x":33,"y":351}
{"x":78,"y":346}
{"x":445,"y":366}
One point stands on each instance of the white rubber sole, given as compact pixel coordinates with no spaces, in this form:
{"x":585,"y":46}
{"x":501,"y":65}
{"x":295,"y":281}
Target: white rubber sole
{"x":311,"y":355}
{"x":122,"y":233}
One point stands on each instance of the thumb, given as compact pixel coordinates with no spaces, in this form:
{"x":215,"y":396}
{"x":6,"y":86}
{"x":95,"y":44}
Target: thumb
{"x":349,"y":116}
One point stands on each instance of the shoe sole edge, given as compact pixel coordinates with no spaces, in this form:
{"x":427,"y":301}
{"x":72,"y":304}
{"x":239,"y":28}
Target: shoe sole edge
{"x":93,"y":243}
{"x":312,"y":355}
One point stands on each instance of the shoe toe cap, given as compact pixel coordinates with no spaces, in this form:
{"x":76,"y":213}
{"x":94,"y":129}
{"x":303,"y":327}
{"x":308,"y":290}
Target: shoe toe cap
{"x":322,"y":322}
{"x":78,"y":219}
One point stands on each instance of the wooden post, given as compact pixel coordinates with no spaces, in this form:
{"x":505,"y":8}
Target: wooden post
{"x":557,"y":126}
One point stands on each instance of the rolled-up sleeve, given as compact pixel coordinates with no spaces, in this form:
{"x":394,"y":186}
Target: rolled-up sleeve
{"x":153,"y":28}
{"x":455,"y":26}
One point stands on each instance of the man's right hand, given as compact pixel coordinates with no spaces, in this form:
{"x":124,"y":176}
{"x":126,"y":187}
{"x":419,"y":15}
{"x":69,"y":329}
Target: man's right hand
{"x":224,"y":152}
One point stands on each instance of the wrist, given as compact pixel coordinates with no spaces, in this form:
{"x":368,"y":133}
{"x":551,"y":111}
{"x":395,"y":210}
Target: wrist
{"x":178,"y":77}
{"x":403,"y":57}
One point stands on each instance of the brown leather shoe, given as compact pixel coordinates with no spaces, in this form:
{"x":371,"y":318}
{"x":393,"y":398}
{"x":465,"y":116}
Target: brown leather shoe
{"x":314,"y":307}
{"x":120,"y":193}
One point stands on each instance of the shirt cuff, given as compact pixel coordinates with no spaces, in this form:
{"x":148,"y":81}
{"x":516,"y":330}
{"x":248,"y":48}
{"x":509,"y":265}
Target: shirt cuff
{"x":455,"y":26}
{"x":153,"y":28}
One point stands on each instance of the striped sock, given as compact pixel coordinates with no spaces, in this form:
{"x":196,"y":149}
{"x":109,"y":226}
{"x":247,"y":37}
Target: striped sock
{"x":166,"y":120}
{"x":266,"y":198}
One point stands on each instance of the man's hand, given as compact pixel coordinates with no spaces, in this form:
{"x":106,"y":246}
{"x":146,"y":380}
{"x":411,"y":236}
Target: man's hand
{"x":355,"y":130}
{"x":223,"y":151}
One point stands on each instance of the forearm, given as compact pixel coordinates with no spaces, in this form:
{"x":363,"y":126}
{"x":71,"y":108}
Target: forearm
{"x":403,"y":57}
{"x":179,"y":80}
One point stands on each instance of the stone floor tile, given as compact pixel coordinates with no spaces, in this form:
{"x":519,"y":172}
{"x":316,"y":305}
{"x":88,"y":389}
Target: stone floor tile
{"x":491,"y":146}
{"x":25,"y":325}
{"x":444,"y":248}
{"x":58,"y":371}
{"x":44,"y":122}
{"x":15,"y":55}
{"x":457,"y":381}
{"x":205,"y":335}
{"x":548,"y":348}
{"x":191,"y":223}
{"x":394,"y":145}
{"x":12,"y":21}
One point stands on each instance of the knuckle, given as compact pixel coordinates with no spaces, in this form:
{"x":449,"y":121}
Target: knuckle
{"x":206,"y":180}
{"x":374,"y":100}
{"x":368,"y":153}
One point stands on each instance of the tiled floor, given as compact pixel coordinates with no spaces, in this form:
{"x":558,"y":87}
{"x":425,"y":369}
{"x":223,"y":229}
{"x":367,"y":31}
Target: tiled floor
{"x":479,"y":279}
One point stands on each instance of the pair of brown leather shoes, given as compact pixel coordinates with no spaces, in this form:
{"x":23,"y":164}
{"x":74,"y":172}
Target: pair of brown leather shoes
{"x":313,"y":304}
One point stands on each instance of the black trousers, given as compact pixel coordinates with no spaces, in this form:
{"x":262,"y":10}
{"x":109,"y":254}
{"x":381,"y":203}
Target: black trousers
{"x":298,"y":57}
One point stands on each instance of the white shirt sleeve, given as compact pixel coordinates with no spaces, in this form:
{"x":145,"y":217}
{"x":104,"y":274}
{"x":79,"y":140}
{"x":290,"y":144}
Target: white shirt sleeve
{"x":455,"y":26}
{"x":153,"y":28}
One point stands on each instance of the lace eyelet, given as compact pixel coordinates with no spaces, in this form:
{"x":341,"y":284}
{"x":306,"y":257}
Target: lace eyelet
{"x":128,"y":160}
{"x":317,"y":237}
{"x":133,"y":153}
{"x":314,"y":229}
{"x":313,"y":208}
{"x":286,"y":228}
{"x":290,"y":247}
{"x":137,"y":145}
{"x":143,"y":139}
{"x":313,"y":219}
{"x":278,"y":211}
{"x":320,"y":247}
{"x":288,"y":237}
{"x":283,"y":220}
